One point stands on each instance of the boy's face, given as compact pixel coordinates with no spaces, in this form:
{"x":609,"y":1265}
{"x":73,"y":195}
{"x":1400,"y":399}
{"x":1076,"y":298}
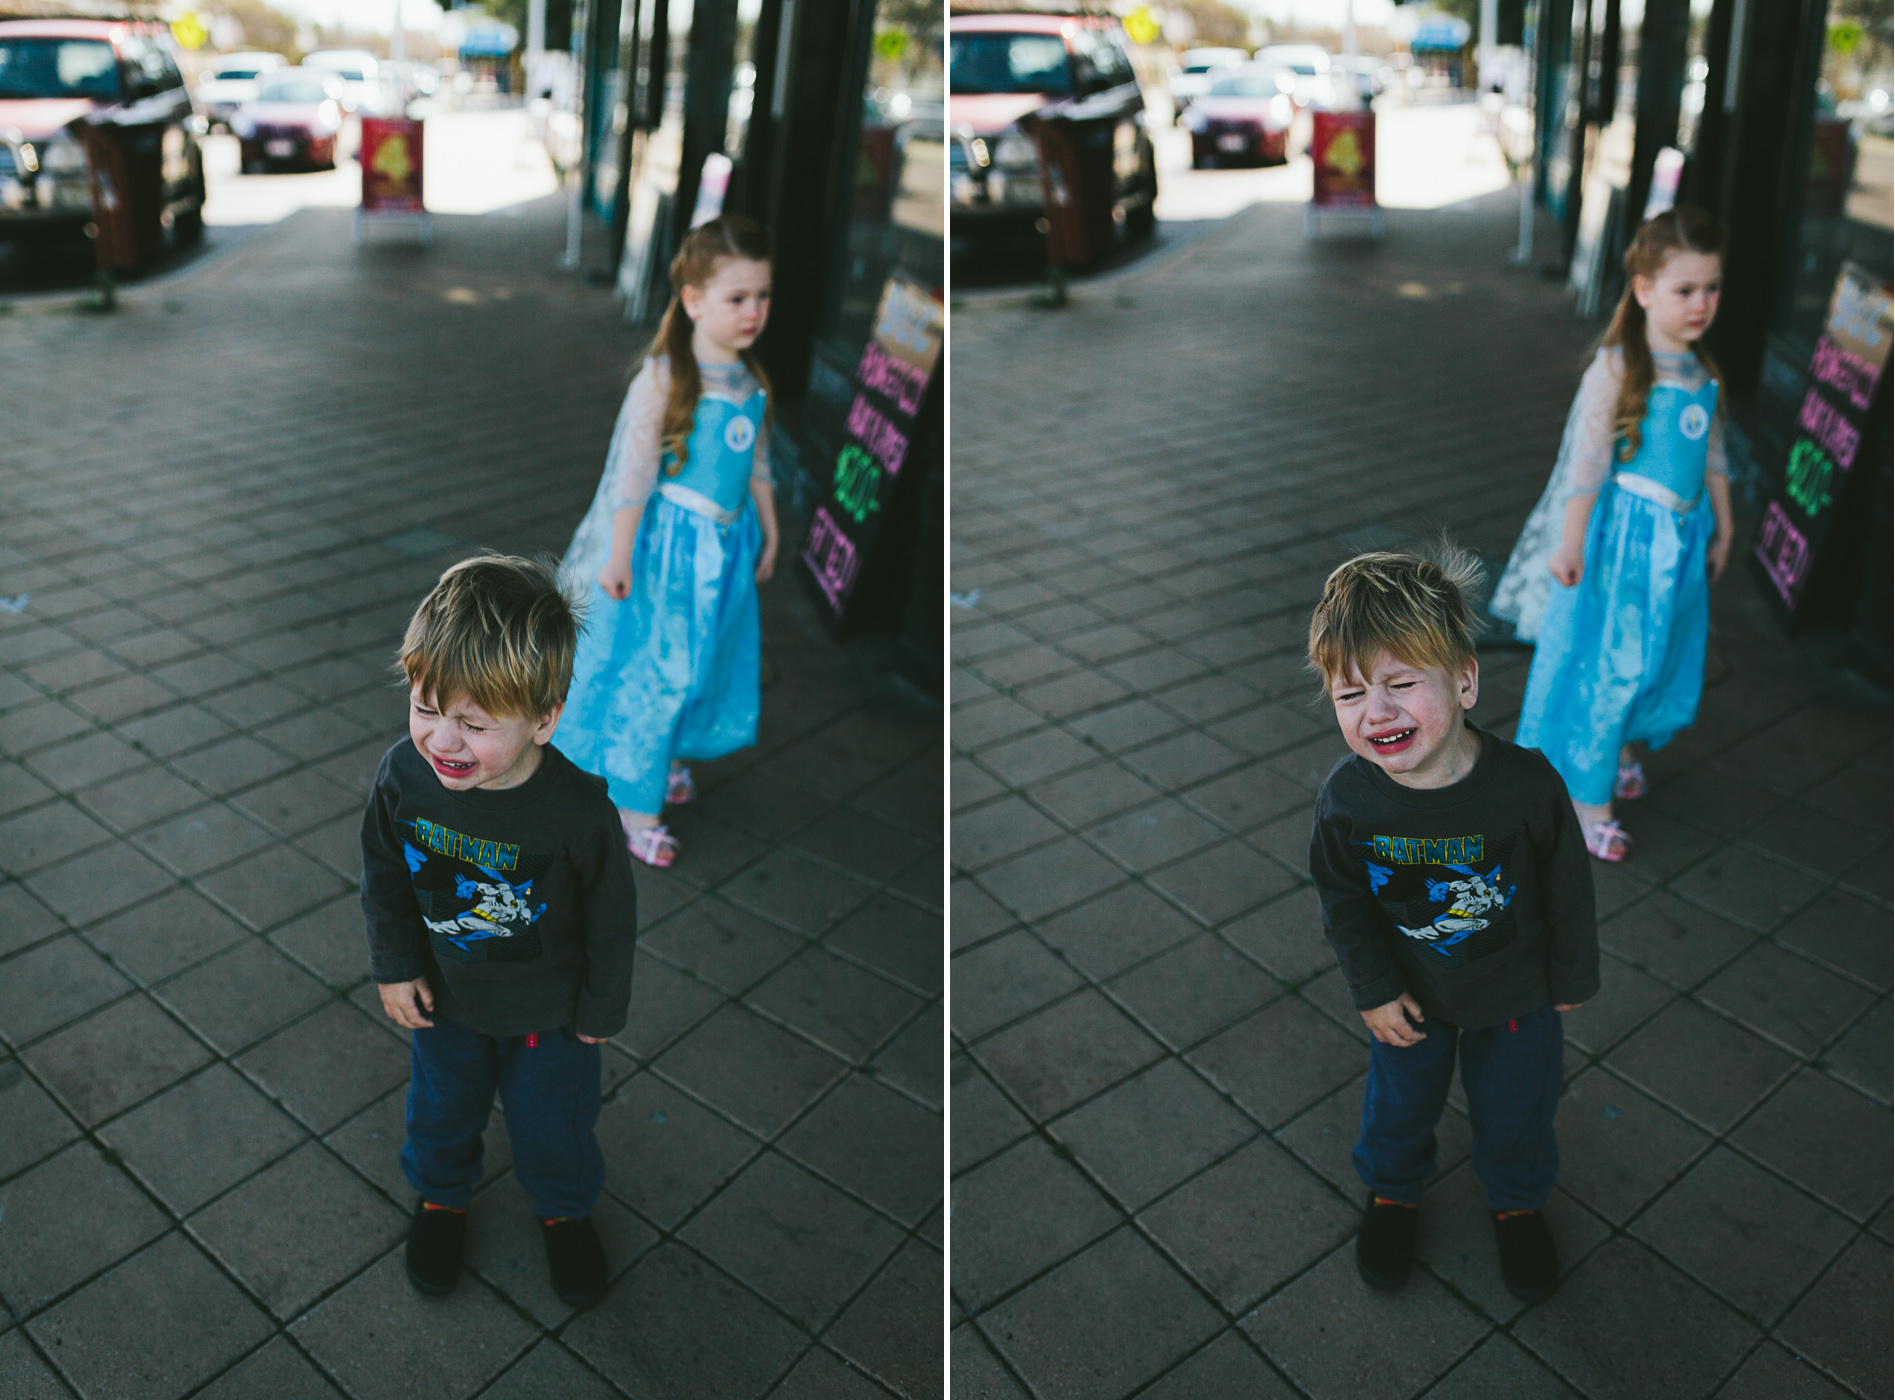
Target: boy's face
{"x":1407,"y":719}
{"x":469,"y":748}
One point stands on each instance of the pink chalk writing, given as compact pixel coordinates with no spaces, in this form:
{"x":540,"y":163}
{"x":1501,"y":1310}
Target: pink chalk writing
{"x":1828,"y":429}
{"x":891,"y":378}
{"x":1845,"y":373}
{"x":831,"y":557}
{"x":882,"y":438}
{"x":1784,"y":552}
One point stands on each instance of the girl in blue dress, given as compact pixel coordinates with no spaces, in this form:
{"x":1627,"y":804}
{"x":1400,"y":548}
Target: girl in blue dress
{"x":680,"y":533}
{"x":1612,"y":573}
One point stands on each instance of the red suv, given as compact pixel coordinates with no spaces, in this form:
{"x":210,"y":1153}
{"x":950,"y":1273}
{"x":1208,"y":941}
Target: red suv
{"x":1002,"y":67}
{"x":55,"y":71}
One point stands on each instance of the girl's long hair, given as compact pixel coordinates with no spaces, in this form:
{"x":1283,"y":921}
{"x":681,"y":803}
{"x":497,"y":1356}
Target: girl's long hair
{"x":704,"y":247}
{"x":1677,"y":230}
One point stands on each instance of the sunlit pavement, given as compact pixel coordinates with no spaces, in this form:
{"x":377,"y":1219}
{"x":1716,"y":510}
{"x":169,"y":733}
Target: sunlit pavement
{"x":1426,"y":158}
{"x":472,"y":163}
{"x":1157,"y":1074}
{"x":218,"y":506}
{"x":476,"y":162}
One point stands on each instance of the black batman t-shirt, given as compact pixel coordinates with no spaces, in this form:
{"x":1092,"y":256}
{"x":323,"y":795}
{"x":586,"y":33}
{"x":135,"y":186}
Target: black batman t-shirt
{"x":1475,"y":897}
{"x":516,"y":904}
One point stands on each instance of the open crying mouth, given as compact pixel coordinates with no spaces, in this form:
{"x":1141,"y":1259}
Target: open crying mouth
{"x":1388,"y":739}
{"x":460,"y":767}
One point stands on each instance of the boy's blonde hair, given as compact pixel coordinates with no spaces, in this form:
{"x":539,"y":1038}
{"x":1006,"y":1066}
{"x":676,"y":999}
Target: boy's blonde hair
{"x":1418,"y":610}
{"x":496,"y":630}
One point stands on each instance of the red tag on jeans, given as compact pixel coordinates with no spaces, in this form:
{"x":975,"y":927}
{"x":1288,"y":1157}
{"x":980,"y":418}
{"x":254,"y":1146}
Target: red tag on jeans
{"x":533,"y":1041}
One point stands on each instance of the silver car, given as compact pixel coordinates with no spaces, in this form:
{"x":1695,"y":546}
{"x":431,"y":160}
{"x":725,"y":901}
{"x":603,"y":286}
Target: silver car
{"x":231,"y":81}
{"x":1193,"y":75}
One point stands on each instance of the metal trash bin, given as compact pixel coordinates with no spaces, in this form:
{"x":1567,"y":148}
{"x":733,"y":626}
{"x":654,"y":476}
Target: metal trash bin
{"x":1076,"y":185}
{"x":125,"y":171}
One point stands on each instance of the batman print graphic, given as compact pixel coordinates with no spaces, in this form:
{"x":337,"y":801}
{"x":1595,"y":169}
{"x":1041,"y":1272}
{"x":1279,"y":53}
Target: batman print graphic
{"x":477,"y":897}
{"x":1452,"y":896}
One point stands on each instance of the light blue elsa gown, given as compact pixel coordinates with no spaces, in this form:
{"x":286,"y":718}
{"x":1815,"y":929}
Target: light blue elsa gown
{"x":1620,"y":656}
{"x":673,"y":671}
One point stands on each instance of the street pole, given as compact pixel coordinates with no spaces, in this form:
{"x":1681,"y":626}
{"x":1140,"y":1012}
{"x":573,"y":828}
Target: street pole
{"x":1523,"y":254}
{"x":1489,"y":32}
{"x":535,"y":43}
{"x":576,"y":95}
{"x":1348,"y":53}
{"x":397,"y":42}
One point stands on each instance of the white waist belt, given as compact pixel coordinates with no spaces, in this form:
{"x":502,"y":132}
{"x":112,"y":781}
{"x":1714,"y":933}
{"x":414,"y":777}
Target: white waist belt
{"x":697,"y":503}
{"x":1654,"y":491}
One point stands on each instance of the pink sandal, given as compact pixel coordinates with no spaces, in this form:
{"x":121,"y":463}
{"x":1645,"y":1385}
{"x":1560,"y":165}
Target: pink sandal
{"x":1630,"y":784}
{"x":679,"y":788}
{"x":1607,"y":841}
{"x":653,"y":845}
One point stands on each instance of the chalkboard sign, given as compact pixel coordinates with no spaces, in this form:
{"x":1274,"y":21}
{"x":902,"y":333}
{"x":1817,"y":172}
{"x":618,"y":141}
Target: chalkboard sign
{"x":891,"y":384}
{"x":1844,"y":371}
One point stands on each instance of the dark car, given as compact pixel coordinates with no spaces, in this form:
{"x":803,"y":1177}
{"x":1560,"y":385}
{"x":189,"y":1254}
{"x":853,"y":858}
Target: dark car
{"x":295,"y":119}
{"x":1244,"y":116}
{"x":54,"y":72}
{"x":1002,"y":68}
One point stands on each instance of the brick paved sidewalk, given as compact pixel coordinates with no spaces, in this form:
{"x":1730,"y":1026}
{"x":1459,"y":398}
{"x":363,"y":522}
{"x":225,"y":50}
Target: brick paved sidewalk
{"x":1157,"y":1075}
{"x":224,"y":503}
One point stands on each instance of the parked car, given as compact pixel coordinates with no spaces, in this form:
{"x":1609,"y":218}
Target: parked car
{"x":297,"y":117}
{"x":1003,"y":67}
{"x":230,"y":81}
{"x":361,"y":74}
{"x":54,"y":72}
{"x":1244,"y":116}
{"x":1193,"y":75}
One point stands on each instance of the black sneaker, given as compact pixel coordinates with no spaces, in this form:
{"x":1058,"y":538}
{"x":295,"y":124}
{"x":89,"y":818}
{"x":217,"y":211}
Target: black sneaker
{"x":434,"y":1249}
{"x":1385,"y":1246}
{"x":576,"y":1260}
{"x":1529,"y":1261}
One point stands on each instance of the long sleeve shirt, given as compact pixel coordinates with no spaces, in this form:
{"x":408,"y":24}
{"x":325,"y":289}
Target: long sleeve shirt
{"x":1475,"y":897}
{"x":517,"y":905}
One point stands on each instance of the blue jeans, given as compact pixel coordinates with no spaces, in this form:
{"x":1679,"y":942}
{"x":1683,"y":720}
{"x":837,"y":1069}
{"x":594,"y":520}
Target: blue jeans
{"x":1512,"y":1074}
{"x":550,"y":1094}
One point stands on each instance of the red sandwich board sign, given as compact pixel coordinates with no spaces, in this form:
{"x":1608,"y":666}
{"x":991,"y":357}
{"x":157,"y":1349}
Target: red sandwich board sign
{"x":391,"y":173}
{"x":1342,"y":154}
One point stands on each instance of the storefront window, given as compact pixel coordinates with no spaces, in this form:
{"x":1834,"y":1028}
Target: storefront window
{"x":1697,"y":71}
{"x":1849,"y":181}
{"x":897,"y":212}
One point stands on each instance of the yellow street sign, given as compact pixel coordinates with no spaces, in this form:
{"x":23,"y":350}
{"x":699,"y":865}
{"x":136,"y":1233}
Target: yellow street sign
{"x":1141,"y":27}
{"x":190,"y":30}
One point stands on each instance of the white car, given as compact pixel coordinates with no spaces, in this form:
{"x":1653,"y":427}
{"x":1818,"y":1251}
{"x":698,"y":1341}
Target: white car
{"x":1193,"y":75}
{"x":361,"y":74}
{"x":1310,"y":63}
{"x":231,"y":80}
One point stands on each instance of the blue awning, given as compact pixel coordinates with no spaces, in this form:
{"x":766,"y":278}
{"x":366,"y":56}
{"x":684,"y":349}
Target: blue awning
{"x":491,"y":40}
{"x":1441,"y":32}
